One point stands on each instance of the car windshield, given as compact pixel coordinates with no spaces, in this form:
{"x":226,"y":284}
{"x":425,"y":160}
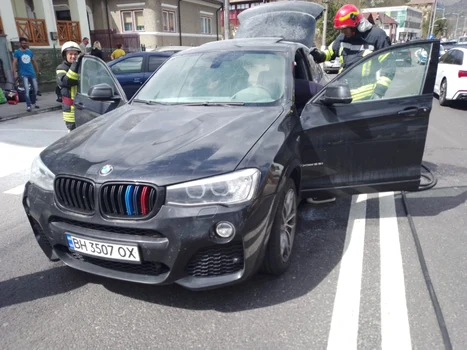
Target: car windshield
{"x":236,"y":77}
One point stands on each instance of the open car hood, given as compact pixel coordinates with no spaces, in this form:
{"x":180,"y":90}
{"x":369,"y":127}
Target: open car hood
{"x":292,"y":20}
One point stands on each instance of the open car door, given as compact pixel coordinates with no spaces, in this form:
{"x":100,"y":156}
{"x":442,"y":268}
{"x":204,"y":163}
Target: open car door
{"x":353,"y":142}
{"x":98,"y":90}
{"x":291,"y":20}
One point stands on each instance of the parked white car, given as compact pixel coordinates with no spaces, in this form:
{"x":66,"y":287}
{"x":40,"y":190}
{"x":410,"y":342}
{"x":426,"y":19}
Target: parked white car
{"x":332,"y":66}
{"x":451,"y":78}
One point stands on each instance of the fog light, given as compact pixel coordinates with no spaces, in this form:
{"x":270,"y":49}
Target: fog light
{"x":225,"y":229}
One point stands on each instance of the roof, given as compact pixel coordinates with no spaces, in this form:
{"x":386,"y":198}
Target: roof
{"x":375,"y":16}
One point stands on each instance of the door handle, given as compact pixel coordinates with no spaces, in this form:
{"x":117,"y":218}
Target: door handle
{"x":79,"y":105}
{"x":412,"y":111}
{"x":136,"y":80}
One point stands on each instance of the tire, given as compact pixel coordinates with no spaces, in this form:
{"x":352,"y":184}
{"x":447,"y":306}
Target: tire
{"x":442,"y":93}
{"x":281,"y":239}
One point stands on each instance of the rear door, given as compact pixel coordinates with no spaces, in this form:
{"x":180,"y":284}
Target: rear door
{"x":130,"y":72}
{"x":94,"y":71}
{"x":370,"y":145}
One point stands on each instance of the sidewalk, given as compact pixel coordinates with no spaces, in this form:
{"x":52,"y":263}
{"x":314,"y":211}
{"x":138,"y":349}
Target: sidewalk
{"x":47,"y":102}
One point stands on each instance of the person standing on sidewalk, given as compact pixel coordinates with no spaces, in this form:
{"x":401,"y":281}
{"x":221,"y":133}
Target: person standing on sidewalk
{"x":24,"y":58}
{"x":83,"y":45}
{"x":68,"y":79}
{"x":119,"y":52}
{"x":97,"y":50}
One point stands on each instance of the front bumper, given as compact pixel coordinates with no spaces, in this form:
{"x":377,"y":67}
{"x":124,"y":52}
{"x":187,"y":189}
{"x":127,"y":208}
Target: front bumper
{"x":178,"y":245}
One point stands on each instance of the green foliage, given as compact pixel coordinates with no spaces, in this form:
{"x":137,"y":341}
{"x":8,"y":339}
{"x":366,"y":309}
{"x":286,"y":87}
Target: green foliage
{"x":441,"y":27}
{"x":331,"y":33}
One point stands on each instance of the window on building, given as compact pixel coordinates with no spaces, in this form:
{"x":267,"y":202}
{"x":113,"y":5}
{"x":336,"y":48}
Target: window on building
{"x":168,"y":21}
{"x":132,"y":20}
{"x":206,"y":25}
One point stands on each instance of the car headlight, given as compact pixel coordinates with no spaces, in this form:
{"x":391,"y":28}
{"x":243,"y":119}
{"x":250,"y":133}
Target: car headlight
{"x":41,"y":176}
{"x":234,"y":188}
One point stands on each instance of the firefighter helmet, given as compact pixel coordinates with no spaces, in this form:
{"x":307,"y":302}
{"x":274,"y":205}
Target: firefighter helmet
{"x":70,"y":46}
{"x":348,"y":16}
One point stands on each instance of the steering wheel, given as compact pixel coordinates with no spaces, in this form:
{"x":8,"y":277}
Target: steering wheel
{"x":251,"y":88}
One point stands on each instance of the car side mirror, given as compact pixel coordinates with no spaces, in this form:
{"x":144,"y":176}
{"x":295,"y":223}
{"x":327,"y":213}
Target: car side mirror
{"x":101,"y":92}
{"x":338,"y":92}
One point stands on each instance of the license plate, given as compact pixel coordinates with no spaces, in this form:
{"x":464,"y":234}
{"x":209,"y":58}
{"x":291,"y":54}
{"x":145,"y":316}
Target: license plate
{"x":102,"y":249}
{"x":337,"y":65}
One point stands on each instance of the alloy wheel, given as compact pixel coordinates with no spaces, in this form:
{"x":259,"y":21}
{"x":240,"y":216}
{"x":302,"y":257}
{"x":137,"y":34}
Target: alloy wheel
{"x":288,"y":224}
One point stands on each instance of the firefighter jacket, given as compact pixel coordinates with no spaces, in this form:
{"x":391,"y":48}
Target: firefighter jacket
{"x":67,"y":80}
{"x":350,"y":50}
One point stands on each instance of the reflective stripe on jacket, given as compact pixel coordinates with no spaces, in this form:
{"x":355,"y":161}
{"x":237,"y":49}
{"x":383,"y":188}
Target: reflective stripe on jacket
{"x":352,"y":50}
{"x":67,"y":80}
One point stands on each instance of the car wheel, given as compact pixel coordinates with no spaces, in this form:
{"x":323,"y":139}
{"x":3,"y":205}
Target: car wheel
{"x":282,"y":237}
{"x":442,"y":93}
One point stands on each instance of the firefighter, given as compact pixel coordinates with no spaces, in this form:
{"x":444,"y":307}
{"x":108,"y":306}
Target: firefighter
{"x":68,"y":79}
{"x":359,"y":38}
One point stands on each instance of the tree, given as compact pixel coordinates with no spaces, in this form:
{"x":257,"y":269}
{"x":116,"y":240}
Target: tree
{"x":440,"y":27}
{"x":331,"y":33}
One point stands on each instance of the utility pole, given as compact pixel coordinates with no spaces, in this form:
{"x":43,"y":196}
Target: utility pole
{"x":226,"y":19}
{"x":325,"y":24}
{"x":457,"y":23}
{"x":431,"y":27}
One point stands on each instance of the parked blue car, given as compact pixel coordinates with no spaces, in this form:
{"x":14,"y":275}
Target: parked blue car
{"x":132,"y":70}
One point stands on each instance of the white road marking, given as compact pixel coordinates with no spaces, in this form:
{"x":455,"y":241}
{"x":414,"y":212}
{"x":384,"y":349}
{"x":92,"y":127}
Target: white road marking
{"x":16,"y":190}
{"x":344,"y":323}
{"x":395,"y":329}
{"x":14,"y":158}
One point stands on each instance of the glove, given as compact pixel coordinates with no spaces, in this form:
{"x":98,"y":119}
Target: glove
{"x":318,"y":55}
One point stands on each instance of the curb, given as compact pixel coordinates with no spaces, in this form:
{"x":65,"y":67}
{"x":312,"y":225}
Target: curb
{"x":34,"y":112}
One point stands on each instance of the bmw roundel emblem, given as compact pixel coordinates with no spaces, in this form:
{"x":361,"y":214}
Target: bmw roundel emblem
{"x":106,"y":170}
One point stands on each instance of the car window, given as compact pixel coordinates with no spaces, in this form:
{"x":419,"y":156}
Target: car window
{"x":255,"y":77}
{"x":458,"y":57}
{"x":381,"y":74}
{"x":316,"y":71}
{"x":444,"y":58}
{"x":94,"y":72}
{"x":155,"y":62}
{"x":128,"y":65}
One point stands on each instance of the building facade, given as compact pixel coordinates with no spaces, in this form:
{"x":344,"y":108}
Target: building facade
{"x":384,"y":22}
{"x":408,"y":18}
{"x":155,"y":23}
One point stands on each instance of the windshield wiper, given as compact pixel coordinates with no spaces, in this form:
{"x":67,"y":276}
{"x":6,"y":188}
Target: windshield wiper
{"x":212,"y":104}
{"x":149,"y":102}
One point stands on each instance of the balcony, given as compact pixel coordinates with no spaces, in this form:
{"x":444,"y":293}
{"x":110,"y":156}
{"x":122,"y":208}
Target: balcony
{"x":34,"y":30}
{"x":68,"y":31}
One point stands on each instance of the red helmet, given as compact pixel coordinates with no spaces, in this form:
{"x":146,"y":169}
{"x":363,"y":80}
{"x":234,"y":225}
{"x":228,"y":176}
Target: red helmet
{"x":348,"y":16}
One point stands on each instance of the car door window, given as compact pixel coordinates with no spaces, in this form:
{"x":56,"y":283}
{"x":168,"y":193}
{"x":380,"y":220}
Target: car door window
{"x":449,"y":59}
{"x":444,"y":57}
{"x":379,"y":77}
{"x":155,"y":62}
{"x":95,"y":72}
{"x":458,"y":57}
{"x":128,"y":65}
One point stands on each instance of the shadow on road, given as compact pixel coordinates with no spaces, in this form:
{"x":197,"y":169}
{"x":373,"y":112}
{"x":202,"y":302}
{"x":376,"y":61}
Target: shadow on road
{"x":58,"y":280}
